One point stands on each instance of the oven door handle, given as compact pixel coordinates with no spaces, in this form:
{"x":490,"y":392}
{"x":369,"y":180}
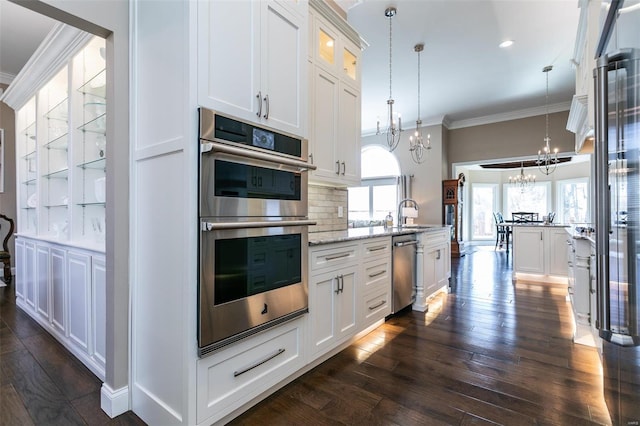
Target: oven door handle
{"x":215,"y":226}
{"x":256,"y":155}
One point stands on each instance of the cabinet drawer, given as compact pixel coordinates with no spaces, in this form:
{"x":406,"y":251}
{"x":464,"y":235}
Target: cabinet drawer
{"x":376,"y":306}
{"x":230,"y":378}
{"x":375,"y":248}
{"x":377,"y":275}
{"x":433,"y":238}
{"x":333,"y":256}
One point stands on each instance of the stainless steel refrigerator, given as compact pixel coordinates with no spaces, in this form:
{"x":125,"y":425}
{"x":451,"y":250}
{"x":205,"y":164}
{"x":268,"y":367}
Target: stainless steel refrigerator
{"x":617,"y":86}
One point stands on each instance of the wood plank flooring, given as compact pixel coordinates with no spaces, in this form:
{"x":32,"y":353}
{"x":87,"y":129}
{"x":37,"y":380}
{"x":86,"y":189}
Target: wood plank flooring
{"x":491,"y":352}
{"x":41,"y":383}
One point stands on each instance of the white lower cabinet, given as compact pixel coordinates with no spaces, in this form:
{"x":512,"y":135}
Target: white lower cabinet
{"x":63,"y":288}
{"x":540,"y":253}
{"x":232,"y":376}
{"x":434,"y":266}
{"x":332,"y":307}
{"x":349,"y":290}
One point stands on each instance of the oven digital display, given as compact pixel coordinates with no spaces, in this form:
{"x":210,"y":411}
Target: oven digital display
{"x":263,"y":139}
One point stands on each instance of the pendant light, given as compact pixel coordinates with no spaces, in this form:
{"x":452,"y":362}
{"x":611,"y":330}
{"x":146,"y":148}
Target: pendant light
{"x":393,"y":128}
{"x":522,"y":181}
{"x":417,"y":147}
{"x":547,"y":161}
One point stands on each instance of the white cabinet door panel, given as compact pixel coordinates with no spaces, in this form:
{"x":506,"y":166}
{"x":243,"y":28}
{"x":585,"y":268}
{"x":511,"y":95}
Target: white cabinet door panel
{"x":58,"y":289}
{"x":42,"y":280}
{"x":30,"y":273}
{"x":79,"y":273}
{"x":99,"y":309}
{"x":349,"y":134}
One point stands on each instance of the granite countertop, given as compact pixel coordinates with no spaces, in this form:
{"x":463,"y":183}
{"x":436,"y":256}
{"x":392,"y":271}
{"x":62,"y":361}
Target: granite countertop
{"x":539,"y":224}
{"x":328,"y":237}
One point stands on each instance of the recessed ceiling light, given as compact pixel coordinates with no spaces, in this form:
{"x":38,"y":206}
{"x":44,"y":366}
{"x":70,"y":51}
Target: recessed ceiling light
{"x":506,"y":43}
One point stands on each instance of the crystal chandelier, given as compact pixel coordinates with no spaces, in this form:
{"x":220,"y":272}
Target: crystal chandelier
{"x":417,"y":147}
{"x":547,"y":161}
{"x":522,"y":181}
{"x":393,"y":128}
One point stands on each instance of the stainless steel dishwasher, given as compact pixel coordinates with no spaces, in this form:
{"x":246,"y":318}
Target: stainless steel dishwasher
{"x":404,"y":270}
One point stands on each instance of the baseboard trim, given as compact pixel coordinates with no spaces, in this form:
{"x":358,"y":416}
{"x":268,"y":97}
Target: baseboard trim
{"x":114,"y":402}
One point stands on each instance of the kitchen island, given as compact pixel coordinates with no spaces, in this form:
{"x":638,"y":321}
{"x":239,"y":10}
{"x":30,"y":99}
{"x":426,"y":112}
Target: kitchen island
{"x":540,"y":253}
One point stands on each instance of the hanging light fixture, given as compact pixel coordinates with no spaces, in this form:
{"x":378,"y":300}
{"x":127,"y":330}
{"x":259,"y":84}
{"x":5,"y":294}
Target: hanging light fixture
{"x":393,"y":128}
{"x":522,"y":181}
{"x":547,"y":161}
{"x":417,"y":147}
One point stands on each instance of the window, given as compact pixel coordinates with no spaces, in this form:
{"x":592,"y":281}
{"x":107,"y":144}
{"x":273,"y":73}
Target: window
{"x":535,"y":200}
{"x":483,"y":204}
{"x":573,"y":201}
{"x":377,"y":196}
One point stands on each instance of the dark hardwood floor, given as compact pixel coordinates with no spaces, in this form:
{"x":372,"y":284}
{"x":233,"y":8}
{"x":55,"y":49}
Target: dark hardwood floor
{"x":489,"y":353}
{"x":41,"y":383}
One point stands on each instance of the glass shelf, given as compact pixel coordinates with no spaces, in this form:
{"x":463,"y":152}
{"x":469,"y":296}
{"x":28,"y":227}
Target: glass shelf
{"x":50,"y":206}
{"x":96,"y":86}
{"x":59,"y":112}
{"x":58,"y":143}
{"x":30,"y":155}
{"x":27,"y":208}
{"x":97,"y":125}
{"x":30,"y":131}
{"x":98,"y":164}
{"x":93,"y":203}
{"x":29,"y":181}
{"x":58,"y":174}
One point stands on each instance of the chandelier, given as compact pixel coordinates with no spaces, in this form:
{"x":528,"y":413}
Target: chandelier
{"x":417,"y":147}
{"x":547,"y":161}
{"x":522,"y":181}
{"x":394,"y":127}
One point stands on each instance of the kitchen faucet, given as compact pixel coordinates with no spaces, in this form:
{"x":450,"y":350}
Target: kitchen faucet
{"x":402,"y":203}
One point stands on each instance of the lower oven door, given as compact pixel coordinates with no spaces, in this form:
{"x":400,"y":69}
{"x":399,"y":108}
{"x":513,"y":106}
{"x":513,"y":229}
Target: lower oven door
{"x":253,"y":275}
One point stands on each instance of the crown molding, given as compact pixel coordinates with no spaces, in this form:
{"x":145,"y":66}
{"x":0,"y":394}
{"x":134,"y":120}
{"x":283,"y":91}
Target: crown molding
{"x":6,"y":78}
{"x":62,"y":42}
{"x":508,"y":116}
{"x":328,"y":13}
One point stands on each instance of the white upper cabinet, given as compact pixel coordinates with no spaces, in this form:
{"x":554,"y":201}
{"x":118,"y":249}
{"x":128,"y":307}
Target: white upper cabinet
{"x":335,"y":101}
{"x":252,"y":58}
{"x":61,"y":141}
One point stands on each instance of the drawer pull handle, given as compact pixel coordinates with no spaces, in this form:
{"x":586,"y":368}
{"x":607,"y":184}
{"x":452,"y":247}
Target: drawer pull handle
{"x":377,"y":274}
{"x":259,"y":363}
{"x":338,"y":256}
{"x":377,"y":248}
{"x":371,"y":308}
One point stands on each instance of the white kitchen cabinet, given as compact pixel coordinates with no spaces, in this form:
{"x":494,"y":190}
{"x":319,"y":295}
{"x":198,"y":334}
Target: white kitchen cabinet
{"x":63,"y":288}
{"x":61,"y":141}
{"x":528,"y":250}
{"x":332,"y":308}
{"x":252,"y":59}
{"x":433,"y":257}
{"x":235,"y":374}
{"x":79,"y":273}
{"x":42,"y":281}
{"x":375,"y":285}
{"x":540,"y":253}
{"x":58,"y":285}
{"x":334,"y":134}
{"x":98,"y":310}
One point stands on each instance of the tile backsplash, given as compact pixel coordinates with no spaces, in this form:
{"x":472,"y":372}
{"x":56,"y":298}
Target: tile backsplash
{"x":323,"y":208}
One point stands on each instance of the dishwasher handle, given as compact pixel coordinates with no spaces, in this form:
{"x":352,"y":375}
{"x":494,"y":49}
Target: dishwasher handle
{"x":405,"y":243}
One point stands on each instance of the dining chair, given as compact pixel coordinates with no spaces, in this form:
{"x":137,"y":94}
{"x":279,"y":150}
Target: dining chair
{"x":5,"y":256}
{"x":501,"y":230}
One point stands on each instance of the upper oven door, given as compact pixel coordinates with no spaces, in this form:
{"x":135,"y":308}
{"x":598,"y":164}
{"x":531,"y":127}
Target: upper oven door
{"x":233,"y":184}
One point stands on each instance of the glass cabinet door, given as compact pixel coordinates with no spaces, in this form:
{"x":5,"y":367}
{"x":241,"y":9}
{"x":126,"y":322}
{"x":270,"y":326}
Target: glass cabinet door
{"x":27,"y":168}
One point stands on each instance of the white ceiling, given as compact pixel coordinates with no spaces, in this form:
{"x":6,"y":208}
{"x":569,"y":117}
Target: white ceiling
{"x":464,"y":74}
{"x":21,"y":32}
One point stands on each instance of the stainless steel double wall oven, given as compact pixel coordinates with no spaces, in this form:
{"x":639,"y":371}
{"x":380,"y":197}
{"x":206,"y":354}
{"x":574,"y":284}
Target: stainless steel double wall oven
{"x":253,"y":229}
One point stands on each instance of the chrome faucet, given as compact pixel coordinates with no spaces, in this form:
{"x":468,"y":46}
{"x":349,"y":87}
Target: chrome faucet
{"x":402,"y":203}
